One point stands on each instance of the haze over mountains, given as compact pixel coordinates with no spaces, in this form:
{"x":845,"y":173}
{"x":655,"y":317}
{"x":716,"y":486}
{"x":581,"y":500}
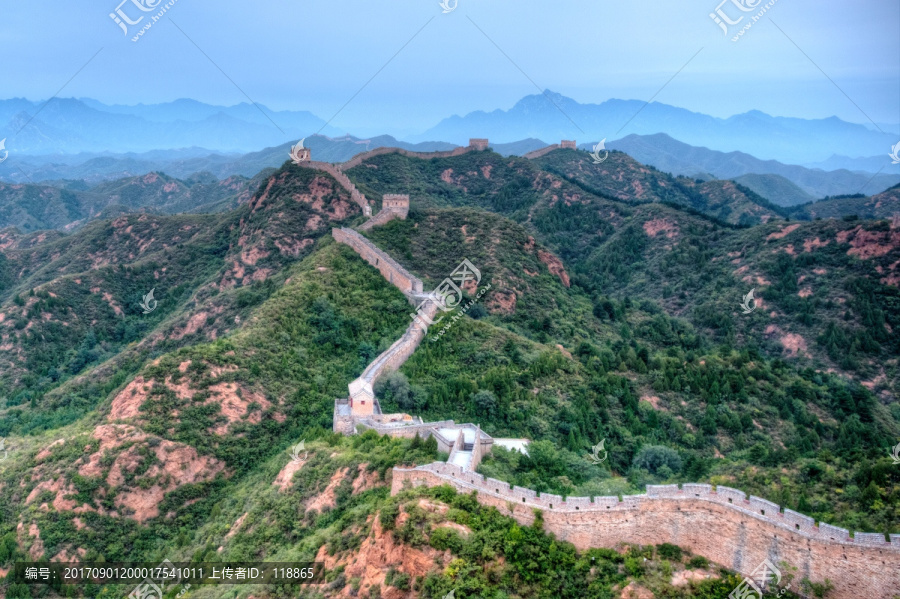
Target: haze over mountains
{"x":72,"y":126}
{"x":85,"y":140}
{"x":554,"y":116}
{"x":795,"y":184}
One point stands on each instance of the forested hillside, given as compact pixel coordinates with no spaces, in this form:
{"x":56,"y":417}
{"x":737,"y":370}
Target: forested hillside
{"x":144,"y":436}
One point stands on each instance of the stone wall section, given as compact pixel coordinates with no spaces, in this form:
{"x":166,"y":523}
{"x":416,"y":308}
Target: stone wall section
{"x":345,"y":182}
{"x":362,"y":157}
{"x":383,"y":217}
{"x":398,"y":353}
{"x":387,"y":266}
{"x":425,"y":429}
{"x":735,"y":534}
{"x":541,"y":152}
{"x":343,"y":421}
{"x":478,"y":449}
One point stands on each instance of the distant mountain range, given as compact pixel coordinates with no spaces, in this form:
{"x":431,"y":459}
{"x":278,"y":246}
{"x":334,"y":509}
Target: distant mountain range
{"x":93,"y":167}
{"x":73,"y":126}
{"x":553,"y":116}
{"x":782,"y":184}
{"x":70,"y":126}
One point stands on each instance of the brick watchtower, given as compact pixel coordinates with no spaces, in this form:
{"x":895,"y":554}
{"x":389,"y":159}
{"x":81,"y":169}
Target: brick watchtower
{"x":478,"y":143}
{"x":396,"y":202}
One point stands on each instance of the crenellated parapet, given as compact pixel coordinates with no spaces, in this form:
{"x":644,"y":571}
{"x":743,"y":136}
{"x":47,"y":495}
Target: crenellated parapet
{"x":721,"y":524}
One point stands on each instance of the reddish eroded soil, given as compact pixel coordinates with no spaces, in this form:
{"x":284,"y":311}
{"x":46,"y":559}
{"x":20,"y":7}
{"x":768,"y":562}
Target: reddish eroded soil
{"x":234,"y":401}
{"x":794,"y":344}
{"x":365,"y":480}
{"x":555,"y":266}
{"x":633,"y":591}
{"x":811,"y":244}
{"x":233,"y":398}
{"x":378,"y":553}
{"x":326,"y":499}
{"x":175,"y":465}
{"x":501,"y":302}
{"x":783,"y":232}
{"x":869,"y":244}
{"x":661,"y":225}
{"x":128,"y":402}
{"x":286,"y":476}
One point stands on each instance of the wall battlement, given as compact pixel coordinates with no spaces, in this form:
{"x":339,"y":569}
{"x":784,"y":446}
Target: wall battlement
{"x":393,"y":205}
{"x":723,"y":525}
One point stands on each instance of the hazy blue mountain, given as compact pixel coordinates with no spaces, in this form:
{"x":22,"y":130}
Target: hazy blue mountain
{"x":871,"y":164}
{"x":676,"y":157}
{"x":519,"y":148}
{"x":775,"y":188}
{"x":93,"y":167}
{"x":552,"y":116}
{"x":67,"y":125}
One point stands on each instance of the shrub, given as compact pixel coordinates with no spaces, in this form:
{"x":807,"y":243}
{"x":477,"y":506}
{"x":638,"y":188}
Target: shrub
{"x":669,"y":551}
{"x":446,"y":538}
{"x":654,"y":457}
{"x":698,"y":562}
{"x":388,"y":516}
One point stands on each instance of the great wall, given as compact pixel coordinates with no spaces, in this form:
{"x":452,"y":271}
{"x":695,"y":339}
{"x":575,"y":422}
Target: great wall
{"x":721,"y":524}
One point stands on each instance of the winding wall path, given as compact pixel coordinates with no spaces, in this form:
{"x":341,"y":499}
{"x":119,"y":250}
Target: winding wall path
{"x":723,"y":525}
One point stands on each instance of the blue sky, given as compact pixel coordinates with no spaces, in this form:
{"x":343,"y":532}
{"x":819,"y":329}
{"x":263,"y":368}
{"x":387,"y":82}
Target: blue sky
{"x":315,"y":55}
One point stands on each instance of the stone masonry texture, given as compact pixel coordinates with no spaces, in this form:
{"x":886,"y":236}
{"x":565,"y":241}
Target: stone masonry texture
{"x":735,"y":535}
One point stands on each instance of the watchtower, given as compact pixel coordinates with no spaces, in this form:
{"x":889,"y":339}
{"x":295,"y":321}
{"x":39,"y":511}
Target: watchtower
{"x":362,"y":398}
{"x":396,"y":202}
{"x":568,"y":144}
{"x":478,"y":143}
